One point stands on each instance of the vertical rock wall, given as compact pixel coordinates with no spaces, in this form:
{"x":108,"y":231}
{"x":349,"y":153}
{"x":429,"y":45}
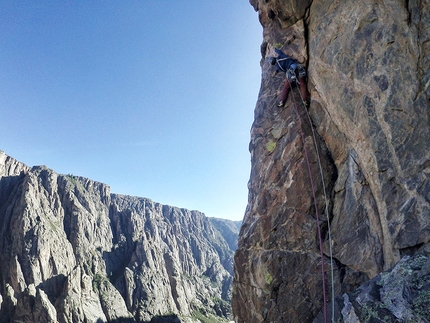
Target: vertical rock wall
{"x":368,"y":77}
{"x":72,"y":252}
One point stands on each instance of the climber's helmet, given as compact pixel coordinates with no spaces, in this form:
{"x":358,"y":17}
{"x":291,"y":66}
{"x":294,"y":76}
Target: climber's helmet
{"x":272,"y":60}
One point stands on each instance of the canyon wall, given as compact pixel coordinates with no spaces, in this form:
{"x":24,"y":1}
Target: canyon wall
{"x":70,"y":251}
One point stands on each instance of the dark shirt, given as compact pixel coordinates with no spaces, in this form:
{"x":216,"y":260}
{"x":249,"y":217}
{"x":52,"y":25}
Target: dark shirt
{"x":283,"y":61}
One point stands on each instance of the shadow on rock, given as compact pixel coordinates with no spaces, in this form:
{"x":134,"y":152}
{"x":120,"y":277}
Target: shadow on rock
{"x":158,"y":319}
{"x":165,"y":319}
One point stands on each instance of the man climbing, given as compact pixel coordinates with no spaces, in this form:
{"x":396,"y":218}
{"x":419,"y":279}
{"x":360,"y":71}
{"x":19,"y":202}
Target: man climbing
{"x":295,"y":73}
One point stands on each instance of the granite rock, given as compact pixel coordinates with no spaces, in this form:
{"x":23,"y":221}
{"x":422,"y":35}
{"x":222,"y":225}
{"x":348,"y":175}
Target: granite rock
{"x":71,"y":252}
{"x":361,"y":148}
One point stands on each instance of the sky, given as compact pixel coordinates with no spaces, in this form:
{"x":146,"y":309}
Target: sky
{"x":154,"y":98}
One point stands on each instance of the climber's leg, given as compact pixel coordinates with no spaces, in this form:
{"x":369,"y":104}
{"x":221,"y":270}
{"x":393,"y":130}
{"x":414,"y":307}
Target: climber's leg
{"x":303,"y":89}
{"x":284,"y":94}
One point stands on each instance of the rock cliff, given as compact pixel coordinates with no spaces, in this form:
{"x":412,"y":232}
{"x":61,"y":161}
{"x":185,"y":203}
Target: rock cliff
{"x":228,"y":229}
{"x":362,"y":149}
{"x":70,"y":251}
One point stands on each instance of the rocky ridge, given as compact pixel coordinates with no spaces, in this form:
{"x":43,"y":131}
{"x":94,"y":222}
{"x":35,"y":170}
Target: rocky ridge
{"x":71,"y":251}
{"x":368,"y":128}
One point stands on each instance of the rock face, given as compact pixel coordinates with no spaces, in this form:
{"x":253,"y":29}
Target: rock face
{"x":401,"y":295}
{"x":362,"y":151}
{"x":70,"y":251}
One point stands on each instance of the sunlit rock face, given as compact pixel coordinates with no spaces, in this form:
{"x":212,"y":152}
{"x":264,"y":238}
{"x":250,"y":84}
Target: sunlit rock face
{"x":369,"y":157}
{"x":70,"y":251}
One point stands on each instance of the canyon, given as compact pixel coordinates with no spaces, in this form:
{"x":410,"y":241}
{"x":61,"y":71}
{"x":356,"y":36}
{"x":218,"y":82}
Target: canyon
{"x":72,"y":251}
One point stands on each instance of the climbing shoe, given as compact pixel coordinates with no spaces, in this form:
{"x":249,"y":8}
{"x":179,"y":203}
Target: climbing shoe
{"x":281,"y":104}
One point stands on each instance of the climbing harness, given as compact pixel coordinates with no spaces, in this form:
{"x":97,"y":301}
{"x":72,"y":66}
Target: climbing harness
{"x":291,"y":75}
{"x":316,"y":206}
{"x":302,"y":72}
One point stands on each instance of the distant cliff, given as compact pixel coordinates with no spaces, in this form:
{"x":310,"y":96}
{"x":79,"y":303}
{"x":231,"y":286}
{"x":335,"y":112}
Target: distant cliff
{"x":70,"y":251}
{"x":228,"y":229}
{"x":368,"y":66}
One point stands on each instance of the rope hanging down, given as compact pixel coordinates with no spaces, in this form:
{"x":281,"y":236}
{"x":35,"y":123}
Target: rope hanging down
{"x":316,"y":207}
{"x":325,"y":209}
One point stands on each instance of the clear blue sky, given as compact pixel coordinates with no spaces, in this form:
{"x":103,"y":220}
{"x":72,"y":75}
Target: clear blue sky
{"x":153,"y":98}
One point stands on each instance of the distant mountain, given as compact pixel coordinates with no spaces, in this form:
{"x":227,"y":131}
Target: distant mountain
{"x":70,"y":251}
{"x":228,"y":229}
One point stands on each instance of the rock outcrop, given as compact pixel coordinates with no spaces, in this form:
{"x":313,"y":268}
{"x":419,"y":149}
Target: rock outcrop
{"x":70,"y":251}
{"x":400,"y":295}
{"x":368,"y":129}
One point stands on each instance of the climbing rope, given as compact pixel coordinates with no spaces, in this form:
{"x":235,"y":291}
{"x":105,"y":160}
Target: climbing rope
{"x":315,"y":204}
{"x":326,"y":207}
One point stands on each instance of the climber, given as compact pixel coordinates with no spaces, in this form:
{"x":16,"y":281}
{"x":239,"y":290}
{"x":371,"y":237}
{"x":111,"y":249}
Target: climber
{"x":295,"y":73}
